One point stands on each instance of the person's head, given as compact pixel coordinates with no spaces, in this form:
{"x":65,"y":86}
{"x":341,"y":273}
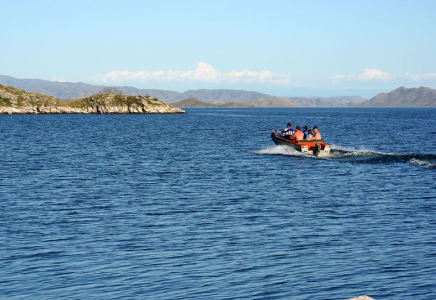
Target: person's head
{"x":289,"y":125}
{"x":297,"y":128}
{"x":305,"y":127}
{"x":315,"y":129}
{"x":310,"y":131}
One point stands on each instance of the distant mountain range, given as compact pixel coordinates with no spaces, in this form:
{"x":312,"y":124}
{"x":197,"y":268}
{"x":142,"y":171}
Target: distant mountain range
{"x":60,"y":90}
{"x":338,"y":101}
{"x":222,"y":95}
{"x":79,"y":90}
{"x":195,"y":102}
{"x":403,"y":97}
{"x":270,"y":102}
{"x":277,"y":102}
{"x":345,"y":101}
{"x":70,"y":90}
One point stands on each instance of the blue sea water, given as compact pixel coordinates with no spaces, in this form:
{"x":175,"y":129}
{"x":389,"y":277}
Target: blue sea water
{"x":205,"y":206}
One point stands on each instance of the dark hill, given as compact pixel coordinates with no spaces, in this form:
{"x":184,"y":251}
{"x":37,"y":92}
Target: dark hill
{"x":403,"y":97}
{"x":112,"y":90}
{"x":193,"y":102}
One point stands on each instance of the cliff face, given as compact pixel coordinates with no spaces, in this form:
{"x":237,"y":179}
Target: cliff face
{"x":15,"y":101}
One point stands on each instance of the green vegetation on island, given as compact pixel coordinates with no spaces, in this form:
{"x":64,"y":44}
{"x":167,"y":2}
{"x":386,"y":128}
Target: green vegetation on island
{"x":16,"y":101}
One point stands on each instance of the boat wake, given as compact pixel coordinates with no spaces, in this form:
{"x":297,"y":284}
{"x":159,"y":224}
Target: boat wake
{"x":344,"y":152}
{"x":370,"y":156}
{"x":424,"y":163}
{"x":362,"y":156}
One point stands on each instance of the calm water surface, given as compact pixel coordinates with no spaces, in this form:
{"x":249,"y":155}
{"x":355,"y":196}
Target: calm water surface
{"x":205,"y":206}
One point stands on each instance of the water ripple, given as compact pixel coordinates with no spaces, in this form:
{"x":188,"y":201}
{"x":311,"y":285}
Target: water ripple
{"x":107,"y":207}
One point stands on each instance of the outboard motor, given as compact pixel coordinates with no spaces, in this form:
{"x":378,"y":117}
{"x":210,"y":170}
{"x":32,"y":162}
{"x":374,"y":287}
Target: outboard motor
{"x":317,"y":148}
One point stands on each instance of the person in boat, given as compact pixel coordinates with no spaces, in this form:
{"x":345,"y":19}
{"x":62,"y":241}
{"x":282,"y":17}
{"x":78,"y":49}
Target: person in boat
{"x":305,"y":131}
{"x":288,"y":132}
{"x":317,"y":133}
{"x":309,"y":135}
{"x":299,"y":135}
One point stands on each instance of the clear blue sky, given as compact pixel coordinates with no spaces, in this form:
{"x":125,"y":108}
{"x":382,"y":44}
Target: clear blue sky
{"x":267,"y":46}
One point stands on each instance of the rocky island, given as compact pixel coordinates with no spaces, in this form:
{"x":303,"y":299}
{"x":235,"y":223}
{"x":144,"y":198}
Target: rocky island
{"x":16,"y":101}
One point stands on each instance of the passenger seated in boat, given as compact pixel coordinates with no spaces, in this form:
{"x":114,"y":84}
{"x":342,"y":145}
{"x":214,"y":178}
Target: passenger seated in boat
{"x":288,"y":132}
{"x":299,"y":135}
{"x":309,"y":135}
{"x":305,"y":131}
{"x":317,"y":133}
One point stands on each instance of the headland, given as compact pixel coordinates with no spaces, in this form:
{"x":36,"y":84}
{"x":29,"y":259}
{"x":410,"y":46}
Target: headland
{"x":16,"y":101}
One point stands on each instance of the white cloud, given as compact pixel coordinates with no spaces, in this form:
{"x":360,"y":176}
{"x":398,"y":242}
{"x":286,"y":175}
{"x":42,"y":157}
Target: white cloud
{"x":365,"y":75}
{"x":374,"y":74}
{"x":202,"y":73}
{"x":418,"y":77}
{"x":377,"y":75}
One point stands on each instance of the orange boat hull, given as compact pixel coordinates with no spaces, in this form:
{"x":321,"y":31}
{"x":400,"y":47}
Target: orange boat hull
{"x":312,"y":147}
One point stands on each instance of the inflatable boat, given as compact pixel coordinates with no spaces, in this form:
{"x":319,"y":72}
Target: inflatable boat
{"x":312,"y":147}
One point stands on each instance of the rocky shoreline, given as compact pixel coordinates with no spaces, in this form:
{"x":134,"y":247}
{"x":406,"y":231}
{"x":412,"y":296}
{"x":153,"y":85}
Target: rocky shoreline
{"x":15,"y":101}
